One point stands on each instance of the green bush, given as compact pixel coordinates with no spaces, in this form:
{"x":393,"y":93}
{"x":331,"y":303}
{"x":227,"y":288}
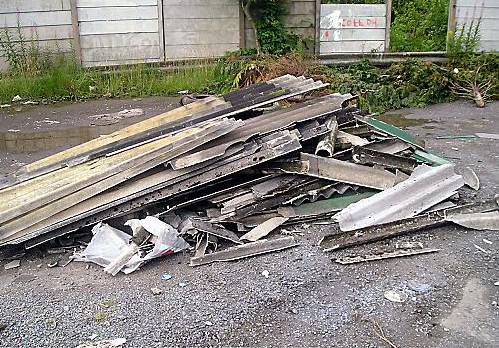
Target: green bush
{"x":419,"y":25}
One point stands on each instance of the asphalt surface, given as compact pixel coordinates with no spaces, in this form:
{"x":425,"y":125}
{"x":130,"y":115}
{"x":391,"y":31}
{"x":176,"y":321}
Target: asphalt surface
{"x":307,"y":300}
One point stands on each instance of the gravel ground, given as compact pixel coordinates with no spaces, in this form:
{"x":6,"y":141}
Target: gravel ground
{"x":307,"y":300}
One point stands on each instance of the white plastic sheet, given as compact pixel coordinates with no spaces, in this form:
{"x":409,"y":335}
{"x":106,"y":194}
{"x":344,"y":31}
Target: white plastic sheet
{"x":108,"y":242}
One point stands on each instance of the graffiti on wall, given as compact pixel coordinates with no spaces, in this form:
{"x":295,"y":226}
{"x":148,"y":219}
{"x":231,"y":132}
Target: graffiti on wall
{"x":333,"y":22}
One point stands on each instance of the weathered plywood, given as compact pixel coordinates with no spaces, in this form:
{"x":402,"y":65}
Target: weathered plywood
{"x":198,"y":29}
{"x":352,"y":28}
{"x":485,"y":12}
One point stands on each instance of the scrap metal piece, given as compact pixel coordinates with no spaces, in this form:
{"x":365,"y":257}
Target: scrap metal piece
{"x":488,"y":135}
{"x":347,"y":260}
{"x":426,"y":187}
{"x":363,"y":155}
{"x":351,"y":139}
{"x":264,"y":228}
{"x":391,"y":146}
{"x":351,"y":173}
{"x":430,"y":158}
{"x":215,"y":230}
{"x":477,"y":221}
{"x":470,"y":178}
{"x":325,"y":206}
{"x":392,"y":229}
{"x":325,"y":147}
{"x":392,"y":130}
{"x":246,"y":250}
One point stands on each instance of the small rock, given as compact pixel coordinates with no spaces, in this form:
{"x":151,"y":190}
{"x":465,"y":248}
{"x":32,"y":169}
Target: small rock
{"x":17,"y":98}
{"x":496,"y":283}
{"x":166,"y":276}
{"x":156,"y":291}
{"x":395,"y":296}
{"x":208,"y":323}
{"x":12,"y":264}
{"x":265,"y":274}
{"x":182,"y":285}
{"x":92,"y":337}
{"x":418,"y":287}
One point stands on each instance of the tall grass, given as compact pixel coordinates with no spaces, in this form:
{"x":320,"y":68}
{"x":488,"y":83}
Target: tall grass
{"x":41,"y":74}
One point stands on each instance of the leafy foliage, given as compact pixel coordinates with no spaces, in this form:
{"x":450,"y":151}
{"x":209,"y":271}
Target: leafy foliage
{"x":274,"y":37}
{"x":419,"y":25}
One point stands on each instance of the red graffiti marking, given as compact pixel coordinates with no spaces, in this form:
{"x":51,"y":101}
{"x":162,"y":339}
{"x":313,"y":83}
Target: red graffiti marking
{"x":359,"y":22}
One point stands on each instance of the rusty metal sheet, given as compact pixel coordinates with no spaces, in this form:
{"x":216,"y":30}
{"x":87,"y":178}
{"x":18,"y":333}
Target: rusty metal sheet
{"x":263,"y":246}
{"x":426,"y":187}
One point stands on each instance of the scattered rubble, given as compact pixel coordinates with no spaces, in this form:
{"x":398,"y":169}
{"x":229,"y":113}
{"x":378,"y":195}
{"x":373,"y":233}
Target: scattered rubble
{"x":12,"y":264}
{"x":221,"y":176}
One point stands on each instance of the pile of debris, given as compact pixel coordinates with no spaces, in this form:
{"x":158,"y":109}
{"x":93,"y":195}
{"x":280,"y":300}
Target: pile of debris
{"x":226,"y":170}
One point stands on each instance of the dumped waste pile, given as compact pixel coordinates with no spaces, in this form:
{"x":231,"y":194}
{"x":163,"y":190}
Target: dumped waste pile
{"x":220,"y":175}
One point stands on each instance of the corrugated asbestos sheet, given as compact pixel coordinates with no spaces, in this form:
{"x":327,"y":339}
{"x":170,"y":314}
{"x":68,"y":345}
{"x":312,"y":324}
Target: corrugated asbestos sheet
{"x":226,"y":175}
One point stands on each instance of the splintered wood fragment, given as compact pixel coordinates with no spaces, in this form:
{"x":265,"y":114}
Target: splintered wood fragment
{"x":264,"y":228}
{"x":246,"y":250}
{"x":388,"y":255}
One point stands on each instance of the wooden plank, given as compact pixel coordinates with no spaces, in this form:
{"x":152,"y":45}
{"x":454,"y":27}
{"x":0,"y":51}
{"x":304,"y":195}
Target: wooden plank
{"x":34,"y":19}
{"x":388,"y":24}
{"x":202,"y":37}
{"x":200,"y":24}
{"x":15,"y":6}
{"x":354,"y":10}
{"x":119,"y":27}
{"x":119,"y":53}
{"x":199,"y":51}
{"x":76,"y":31}
{"x":117,"y":13}
{"x":114,"y":3}
{"x":54,"y":32}
{"x":351,"y":46}
{"x":204,"y":11}
{"x":352,"y":35}
{"x":161,"y":31}
{"x":120,"y":40}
